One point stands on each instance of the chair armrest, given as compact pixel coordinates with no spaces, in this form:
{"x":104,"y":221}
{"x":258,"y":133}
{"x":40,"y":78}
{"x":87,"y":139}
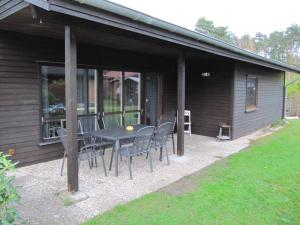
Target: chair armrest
{"x":89,"y":146}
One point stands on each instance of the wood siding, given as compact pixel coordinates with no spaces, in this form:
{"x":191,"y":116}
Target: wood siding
{"x":209,"y":98}
{"x":270,"y":99}
{"x":20,"y":96}
{"x":20,"y":103}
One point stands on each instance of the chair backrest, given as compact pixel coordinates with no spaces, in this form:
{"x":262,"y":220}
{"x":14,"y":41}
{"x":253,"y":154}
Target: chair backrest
{"x":88,"y":123}
{"x":63,"y":124}
{"x":110,"y":120}
{"x":169,"y":117}
{"x":187,"y":113}
{"x":62,"y":133}
{"x":162,"y":133}
{"x":143,"y":139}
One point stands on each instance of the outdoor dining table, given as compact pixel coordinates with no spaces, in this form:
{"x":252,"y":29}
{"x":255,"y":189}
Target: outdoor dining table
{"x":115,"y":135}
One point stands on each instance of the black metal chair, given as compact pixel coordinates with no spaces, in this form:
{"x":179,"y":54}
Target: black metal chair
{"x":161,"y":136}
{"x":88,"y":124}
{"x":110,"y":121}
{"x":172,"y":132}
{"x":87,"y":152}
{"x":141,"y":145}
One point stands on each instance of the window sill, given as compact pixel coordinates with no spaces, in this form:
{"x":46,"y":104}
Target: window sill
{"x":251,"y":109}
{"x":49,"y":143}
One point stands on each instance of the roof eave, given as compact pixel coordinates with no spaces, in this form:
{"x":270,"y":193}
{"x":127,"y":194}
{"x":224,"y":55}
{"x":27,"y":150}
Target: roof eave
{"x":97,"y":11}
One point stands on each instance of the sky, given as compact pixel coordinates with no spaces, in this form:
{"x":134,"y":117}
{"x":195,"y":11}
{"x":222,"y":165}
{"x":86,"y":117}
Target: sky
{"x":241,"y":17}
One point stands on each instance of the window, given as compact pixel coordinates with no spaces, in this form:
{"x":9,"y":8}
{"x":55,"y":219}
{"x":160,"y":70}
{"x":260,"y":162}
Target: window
{"x":251,"y":93}
{"x":53,"y":97}
{"x":132,"y":101}
{"x":121,"y":96}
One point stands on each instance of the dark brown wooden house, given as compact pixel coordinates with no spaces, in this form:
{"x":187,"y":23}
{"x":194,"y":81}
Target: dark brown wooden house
{"x":126,"y":61}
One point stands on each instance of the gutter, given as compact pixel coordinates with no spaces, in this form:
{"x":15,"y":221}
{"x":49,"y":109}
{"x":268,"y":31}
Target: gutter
{"x":146,"y":19}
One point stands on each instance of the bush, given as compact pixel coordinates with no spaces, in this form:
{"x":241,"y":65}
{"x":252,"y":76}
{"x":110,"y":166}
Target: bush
{"x":9,"y":195}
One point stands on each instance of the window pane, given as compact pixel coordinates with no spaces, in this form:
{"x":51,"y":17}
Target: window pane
{"x":92,"y":91}
{"x":131,"y":85}
{"x":82,"y":94}
{"x":131,"y":91}
{"x":112,"y":120}
{"x":53,"y":97}
{"x":251,"y":92}
{"x":112,"y":91}
{"x":132,"y":118}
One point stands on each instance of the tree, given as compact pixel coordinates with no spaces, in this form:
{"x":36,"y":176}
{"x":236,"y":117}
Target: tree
{"x":246,"y":42}
{"x":260,"y":41}
{"x":277,"y":46}
{"x":207,"y":27}
{"x":283,"y":46}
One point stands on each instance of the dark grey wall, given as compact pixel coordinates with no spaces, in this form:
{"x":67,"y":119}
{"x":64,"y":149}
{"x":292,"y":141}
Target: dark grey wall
{"x":20,"y":102}
{"x":20,"y":96}
{"x":270,"y":99}
{"x":209,"y":98}
{"x":169,"y":95}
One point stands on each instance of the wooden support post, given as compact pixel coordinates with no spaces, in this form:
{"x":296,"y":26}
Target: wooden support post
{"x":71,"y":107}
{"x":180,"y":105}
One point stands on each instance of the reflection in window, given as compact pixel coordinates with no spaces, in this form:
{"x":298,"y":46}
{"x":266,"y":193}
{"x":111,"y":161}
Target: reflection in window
{"x":251,"y":93}
{"x":131,"y":85}
{"x":112,"y":91}
{"x":53,"y":97}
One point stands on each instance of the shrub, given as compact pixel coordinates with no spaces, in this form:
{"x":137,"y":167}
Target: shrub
{"x":9,"y":195}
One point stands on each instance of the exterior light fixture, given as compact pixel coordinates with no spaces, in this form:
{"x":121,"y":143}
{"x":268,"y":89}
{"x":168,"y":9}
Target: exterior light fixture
{"x":205,"y":74}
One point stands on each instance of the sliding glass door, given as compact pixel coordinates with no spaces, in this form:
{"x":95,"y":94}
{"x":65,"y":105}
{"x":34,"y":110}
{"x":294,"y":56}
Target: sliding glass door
{"x":112,"y":96}
{"x":122,"y":96}
{"x":132,"y":98}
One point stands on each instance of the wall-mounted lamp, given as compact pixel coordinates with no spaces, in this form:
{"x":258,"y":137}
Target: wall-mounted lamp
{"x":205,"y":74}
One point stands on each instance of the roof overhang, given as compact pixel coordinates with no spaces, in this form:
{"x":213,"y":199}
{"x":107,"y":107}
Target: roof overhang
{"x":111,"y":14}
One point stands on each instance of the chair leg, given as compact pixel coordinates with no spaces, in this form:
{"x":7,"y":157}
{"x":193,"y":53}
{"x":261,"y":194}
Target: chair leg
{"x":90,"y":164}
{"x":160,"y":153}
{"x":129,"y":167}
{"x":150,"y":159}
{"x":167,"y":154}
{"x":104,"y":167}
{"x":96,"y":163}
{"x":173,"y":142}
{"x":78,"y":163}
{"x":111,"y":158}
{"x":63,"y":163}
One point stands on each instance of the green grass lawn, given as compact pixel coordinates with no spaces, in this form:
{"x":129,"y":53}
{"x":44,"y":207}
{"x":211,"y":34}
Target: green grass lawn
{"x":260,"y":185}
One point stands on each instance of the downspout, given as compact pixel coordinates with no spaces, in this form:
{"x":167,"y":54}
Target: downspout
{"x":284,"y":97}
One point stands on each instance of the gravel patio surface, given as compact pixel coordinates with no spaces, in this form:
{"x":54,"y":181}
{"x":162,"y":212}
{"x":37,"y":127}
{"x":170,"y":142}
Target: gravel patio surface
{"x":41,"y":183}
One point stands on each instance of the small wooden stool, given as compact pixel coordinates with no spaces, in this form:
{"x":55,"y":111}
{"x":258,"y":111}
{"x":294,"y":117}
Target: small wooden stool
{"x":222,"y":127}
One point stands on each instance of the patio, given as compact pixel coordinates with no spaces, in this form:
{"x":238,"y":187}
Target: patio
{"x":41,"y":183}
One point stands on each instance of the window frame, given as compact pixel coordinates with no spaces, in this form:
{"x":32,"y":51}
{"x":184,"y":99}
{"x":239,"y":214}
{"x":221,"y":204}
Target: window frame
{"x":251,"y":108}
{"x":42,"y":120}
